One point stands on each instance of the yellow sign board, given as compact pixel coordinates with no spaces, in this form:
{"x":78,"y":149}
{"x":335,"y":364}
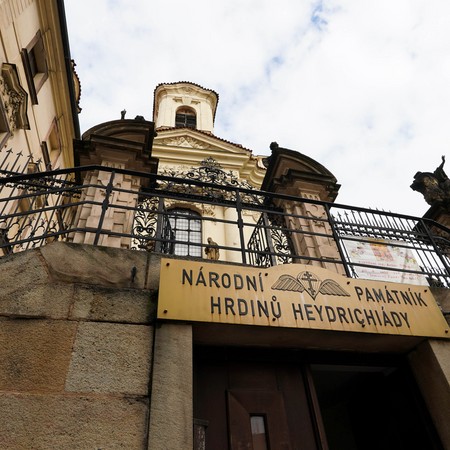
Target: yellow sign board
{"x":295,"y":296}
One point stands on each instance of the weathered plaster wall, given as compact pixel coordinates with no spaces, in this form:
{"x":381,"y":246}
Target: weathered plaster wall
{"x":76,"y":340}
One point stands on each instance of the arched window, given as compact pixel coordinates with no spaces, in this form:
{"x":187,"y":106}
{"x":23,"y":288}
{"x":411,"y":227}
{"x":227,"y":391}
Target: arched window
{"x":186,"y":226}
{"x":185,"y":117}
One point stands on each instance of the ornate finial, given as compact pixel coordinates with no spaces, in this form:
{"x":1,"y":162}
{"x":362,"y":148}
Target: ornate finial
{"x":435,"y":186}
{"x":273,"y":146}
{"x":122,"y":114}
{"x":140,"y":118}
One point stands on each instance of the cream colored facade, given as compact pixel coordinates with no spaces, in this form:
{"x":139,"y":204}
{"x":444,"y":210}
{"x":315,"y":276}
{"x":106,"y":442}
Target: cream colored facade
{"x":38,"y":90}
{"x":181,"y":149}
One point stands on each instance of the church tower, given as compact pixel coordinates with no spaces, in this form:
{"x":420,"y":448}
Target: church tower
{"x":184,"y":114}
{"x":185,"y":105}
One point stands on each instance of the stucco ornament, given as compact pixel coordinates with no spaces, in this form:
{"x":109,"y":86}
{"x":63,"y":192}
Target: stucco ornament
{"x":13,"y":98}
{"x":434,"y":186}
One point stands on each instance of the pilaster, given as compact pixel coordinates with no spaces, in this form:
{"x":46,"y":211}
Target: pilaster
{"x":121,"y":144}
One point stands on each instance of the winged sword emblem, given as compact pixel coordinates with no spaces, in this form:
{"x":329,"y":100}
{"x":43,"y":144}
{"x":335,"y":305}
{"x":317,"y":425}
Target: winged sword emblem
{"x":311,"y":283}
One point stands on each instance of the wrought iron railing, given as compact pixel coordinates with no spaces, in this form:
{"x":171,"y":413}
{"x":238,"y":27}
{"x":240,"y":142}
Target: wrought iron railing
{"x":249,"y":226}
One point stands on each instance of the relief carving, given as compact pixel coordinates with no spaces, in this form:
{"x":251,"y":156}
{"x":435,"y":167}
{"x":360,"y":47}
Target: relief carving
{"x":183,"y":141}
{"x":14,"y":98}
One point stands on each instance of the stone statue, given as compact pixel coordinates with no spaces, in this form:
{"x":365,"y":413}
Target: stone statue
{"x":435,"y":186}
{"x":122,"y":114}
{"x":211,"y":250}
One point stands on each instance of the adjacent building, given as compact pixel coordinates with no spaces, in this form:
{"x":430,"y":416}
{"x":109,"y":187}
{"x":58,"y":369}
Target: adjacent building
{"x":39,"y":89}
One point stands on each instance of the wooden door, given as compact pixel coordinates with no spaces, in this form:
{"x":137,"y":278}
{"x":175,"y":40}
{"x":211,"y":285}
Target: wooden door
{"x":251,"y":405}
{"x":257,"y":420}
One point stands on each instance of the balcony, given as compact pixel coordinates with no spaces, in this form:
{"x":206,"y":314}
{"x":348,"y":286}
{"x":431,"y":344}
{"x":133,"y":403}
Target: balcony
{"x":104,"y":206}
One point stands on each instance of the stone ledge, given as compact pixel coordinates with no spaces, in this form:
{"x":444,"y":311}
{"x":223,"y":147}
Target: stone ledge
{"x":79,"y":282}
{"x":86,"y":264}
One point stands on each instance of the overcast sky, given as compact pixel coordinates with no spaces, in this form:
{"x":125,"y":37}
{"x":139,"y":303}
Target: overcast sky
{"x":361,"y":86}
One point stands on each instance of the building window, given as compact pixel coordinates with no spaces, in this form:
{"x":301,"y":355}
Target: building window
{"x":185,"y":118}
{"x":186,"y":227}
{"x":52,"y":148}
{"x":35,"y":65}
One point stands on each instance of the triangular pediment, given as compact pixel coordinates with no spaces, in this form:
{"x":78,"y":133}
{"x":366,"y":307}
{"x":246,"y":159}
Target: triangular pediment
{"x":195,"y":139}
{"x":186,"y":147}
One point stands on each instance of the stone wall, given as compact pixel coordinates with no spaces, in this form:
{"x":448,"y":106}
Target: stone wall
{"x":83,"y":366}
{"x":76,"y":340}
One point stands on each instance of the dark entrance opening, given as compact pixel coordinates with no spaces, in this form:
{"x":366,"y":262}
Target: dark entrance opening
{"x":276,"y":399}
{"x":372,"y":408}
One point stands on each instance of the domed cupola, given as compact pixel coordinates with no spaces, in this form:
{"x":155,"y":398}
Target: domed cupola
{"x":184,"y":105}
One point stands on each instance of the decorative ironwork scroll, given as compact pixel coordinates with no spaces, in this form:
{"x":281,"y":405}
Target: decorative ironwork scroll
{"x":209,"y":171}
{"x":145,"y":224}
{"x":270,"y":242}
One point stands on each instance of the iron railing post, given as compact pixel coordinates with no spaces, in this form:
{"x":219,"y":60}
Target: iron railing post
{"x":240,"y":224}
{"x":436,"y":247}
{"x":268,"y":235}
{"x":105,"y":206}
{"x":337,"y":240}
{"x":161,"y":218}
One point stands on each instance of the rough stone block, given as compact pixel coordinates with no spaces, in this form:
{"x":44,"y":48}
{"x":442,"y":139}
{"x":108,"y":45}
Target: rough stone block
{"x":430,"y":363}
{"x":45,"y":301}
{"x":69,"y":422}
{"x":442,"y":296}
{"x":21,"y":271}
{"x":95,"y":265}
{"x":171,"y":415}
{"x":441,"y":350}
{"x":154,"y":268}
{"x":111,"y":358}
{"x":112,"y":305}
{"x":35,"y":354}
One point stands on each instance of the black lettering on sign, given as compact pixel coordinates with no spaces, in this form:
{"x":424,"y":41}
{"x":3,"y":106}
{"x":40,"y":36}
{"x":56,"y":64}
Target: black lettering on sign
{"x":229,"y":306}
{"x":215,"y":305}
{"x":242,"y":307}
{"x":214,"y":279}
{"x":238,"y":281}
{"x":186,"y":277}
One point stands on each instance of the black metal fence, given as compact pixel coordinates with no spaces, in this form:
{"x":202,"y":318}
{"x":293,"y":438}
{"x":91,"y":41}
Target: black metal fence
{"x":245,"y":225}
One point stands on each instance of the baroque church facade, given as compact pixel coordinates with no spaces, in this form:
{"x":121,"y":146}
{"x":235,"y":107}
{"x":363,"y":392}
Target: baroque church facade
{"x":164,"y":288}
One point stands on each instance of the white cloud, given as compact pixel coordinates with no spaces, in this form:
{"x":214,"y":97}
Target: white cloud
{"x":360,"y":86}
